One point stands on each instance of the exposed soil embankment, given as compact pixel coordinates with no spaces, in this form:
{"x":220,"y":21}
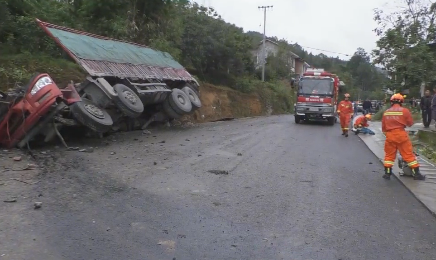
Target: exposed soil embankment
{"x":220,"y":103}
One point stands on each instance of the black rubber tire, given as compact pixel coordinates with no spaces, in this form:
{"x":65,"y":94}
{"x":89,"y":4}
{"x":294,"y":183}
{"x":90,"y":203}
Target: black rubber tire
{"x":194,"y":87}
{"x":331,"y":120}
{"x":400,"y":164}
{"x":132,"y":110}
{"x":170,"y":111}
{"x":193,"y":97}
{"x":178,"y":106}
{"x":99,"y":125}
{"x":297,"y":119}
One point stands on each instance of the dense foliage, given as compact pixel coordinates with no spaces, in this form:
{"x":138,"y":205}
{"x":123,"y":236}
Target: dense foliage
{"x":210,"y":48}
{"x":406,"y":43}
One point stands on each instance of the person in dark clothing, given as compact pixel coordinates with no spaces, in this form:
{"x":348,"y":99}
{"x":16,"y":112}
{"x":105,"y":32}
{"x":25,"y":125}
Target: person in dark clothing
{"x":426,"y":108}
{"x":433,"y":105}
{"x":366,"y":106}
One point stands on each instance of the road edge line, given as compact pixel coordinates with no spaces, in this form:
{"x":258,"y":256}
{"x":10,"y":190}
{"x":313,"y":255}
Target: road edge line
{"x":432,"y":212}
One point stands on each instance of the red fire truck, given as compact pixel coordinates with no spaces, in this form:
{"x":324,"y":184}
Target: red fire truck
{"x":317,"y":96}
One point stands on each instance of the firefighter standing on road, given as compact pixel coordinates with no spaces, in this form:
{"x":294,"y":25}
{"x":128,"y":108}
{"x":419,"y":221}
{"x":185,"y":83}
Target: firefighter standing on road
{"x":394,"y":122}
{"x":345,"y":112}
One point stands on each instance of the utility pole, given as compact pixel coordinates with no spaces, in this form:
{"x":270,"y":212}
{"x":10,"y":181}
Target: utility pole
{"x":264,"y":39}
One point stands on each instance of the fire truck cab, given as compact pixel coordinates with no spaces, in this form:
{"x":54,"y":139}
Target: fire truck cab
{"x":317,"y":96}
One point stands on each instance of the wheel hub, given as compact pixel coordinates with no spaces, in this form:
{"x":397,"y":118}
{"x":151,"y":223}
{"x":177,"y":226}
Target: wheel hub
{"x":130,"y":97}
{"x":181,"y":99}
{"x":94,"y":110}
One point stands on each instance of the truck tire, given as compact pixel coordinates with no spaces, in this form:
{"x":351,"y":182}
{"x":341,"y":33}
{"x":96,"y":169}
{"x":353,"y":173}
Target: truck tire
{"x":194,"y":87}
{"x":331,"y":120}
{"x":297,"y":119}
{"x":170,"y":111}
{"x":91,"y":116}
{"x":127,"y":101}
{"x":193,"y":97}
{"x":179,"y":102}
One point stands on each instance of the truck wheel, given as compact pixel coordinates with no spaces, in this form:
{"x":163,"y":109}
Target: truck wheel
{"x":127,"y":101}
{"x":297,"y":119}
{"x":170,"y":111}
{"x":194,"y":87}
{"x":193,"y":97}
{"x":91,"y":116}
{"x":331,"y":120}
{"x":179,"y":102}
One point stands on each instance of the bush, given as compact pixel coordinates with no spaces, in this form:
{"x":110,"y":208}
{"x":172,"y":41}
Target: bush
{"x":19,"y":68}
{"x":416,"y":115}
{"x":245,"y":85}
{"x":277,"y":95}
{"x":378,"y":116}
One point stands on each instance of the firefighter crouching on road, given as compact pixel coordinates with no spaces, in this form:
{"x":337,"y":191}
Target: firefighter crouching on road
{"x":361,"y":124}
{"x":345,"y":112}
{"x":394,"y":121}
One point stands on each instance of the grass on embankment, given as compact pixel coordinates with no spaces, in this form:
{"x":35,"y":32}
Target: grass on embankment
{"x":18,"y":69}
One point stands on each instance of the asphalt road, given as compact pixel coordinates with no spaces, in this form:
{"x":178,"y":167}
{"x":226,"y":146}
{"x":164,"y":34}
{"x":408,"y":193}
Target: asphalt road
{"x":291,"y":192}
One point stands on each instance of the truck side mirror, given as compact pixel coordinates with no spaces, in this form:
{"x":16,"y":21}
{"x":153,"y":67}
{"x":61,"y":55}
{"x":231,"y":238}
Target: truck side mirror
{"x":292,"y":83}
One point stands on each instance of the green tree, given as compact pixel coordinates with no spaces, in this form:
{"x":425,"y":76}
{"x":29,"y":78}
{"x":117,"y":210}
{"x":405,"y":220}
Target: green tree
{"x":403,"y":48}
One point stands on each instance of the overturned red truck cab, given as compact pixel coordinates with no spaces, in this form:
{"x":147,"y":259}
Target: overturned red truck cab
{"x":317,"y":96}
{"x":26,"y":111}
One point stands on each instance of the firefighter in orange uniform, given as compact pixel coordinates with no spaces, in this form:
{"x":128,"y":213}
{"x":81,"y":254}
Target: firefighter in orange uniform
{"x":394,"y":122}
{"x":345,"y":112}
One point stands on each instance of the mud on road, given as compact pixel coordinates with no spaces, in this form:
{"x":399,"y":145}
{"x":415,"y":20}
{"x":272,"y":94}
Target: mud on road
{"x":259,"y":188}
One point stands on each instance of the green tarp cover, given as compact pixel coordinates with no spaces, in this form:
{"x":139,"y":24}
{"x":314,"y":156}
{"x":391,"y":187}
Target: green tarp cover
{"x":90,"y":48}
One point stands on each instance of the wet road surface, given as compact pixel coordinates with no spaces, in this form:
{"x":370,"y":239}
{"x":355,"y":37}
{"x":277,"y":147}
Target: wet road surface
{"x":291,"y":192}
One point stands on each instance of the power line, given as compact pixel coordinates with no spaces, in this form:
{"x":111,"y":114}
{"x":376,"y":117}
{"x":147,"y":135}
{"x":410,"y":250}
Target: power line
{"x":348,"y":55}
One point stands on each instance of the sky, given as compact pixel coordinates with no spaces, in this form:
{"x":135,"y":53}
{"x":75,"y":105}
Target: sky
{"x":338,"y":26}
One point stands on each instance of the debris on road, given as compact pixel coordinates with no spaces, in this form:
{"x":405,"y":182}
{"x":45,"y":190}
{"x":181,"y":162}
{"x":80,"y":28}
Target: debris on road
{"x":219,"y":172}
{"x":87,"y":150}
{"x":37,"y":205}
{"x":17,"y":158}
{"x":10,"y":200}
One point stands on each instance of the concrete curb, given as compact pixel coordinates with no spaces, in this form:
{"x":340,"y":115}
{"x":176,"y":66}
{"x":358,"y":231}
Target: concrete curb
{"x":423,"y":191}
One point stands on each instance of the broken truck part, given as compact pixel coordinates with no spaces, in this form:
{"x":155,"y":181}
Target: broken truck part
{"x":31,"y":110}
{"x":126,"y":77}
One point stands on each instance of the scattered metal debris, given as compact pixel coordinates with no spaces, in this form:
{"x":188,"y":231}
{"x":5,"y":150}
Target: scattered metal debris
{"x":224,"y":119}
{"x":219,"y":172}
{"x":37,"y":205}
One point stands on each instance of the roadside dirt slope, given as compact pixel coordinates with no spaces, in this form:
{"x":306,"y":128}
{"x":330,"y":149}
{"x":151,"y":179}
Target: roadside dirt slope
{"x":220,"y":102}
